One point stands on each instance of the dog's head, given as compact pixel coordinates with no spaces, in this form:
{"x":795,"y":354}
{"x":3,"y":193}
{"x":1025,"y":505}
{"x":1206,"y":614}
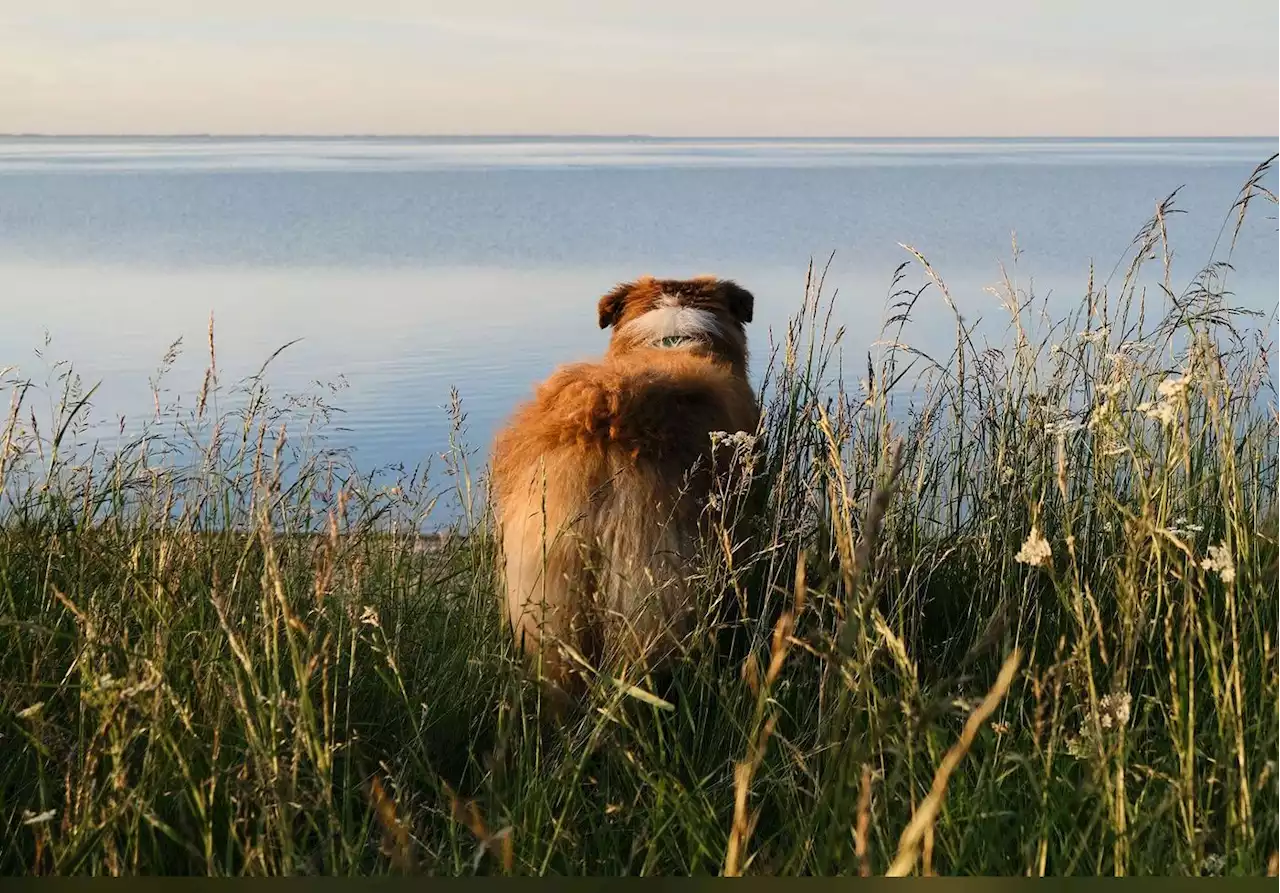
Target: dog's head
{"x":704,"y":313}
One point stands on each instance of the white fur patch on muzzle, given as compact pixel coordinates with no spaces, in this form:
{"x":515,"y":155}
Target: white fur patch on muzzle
{"x":673,"y":326}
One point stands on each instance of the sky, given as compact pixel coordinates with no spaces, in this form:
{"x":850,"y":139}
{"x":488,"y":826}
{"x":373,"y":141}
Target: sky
{"x":690,"y":68}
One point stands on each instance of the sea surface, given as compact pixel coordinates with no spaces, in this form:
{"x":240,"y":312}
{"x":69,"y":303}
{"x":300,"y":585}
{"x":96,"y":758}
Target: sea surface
{"x":401,"y":269}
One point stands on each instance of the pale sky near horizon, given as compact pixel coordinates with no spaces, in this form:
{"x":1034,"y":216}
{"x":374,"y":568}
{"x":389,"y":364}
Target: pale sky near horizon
{"x":698,"y":67}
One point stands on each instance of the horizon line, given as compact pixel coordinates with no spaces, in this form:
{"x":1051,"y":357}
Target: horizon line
{"x":614,"y":136}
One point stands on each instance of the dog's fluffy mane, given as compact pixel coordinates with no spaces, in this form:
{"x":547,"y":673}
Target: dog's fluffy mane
{"x":599,"y":480}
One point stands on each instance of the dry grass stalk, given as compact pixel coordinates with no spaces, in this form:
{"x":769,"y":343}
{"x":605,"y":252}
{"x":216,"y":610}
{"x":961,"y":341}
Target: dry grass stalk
{"x":923,"y":819}
{"x":743,"y":821}
{"x":395,"y":836}
{"x":467,"y":813}
{"x":877,"y":508}
{"x":861,"y":843}
{"x":876,"y":511}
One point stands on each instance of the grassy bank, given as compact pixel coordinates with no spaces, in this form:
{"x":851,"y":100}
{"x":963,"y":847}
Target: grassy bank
{"x":1011,"y":610}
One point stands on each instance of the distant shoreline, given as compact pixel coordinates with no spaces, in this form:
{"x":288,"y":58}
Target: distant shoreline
{"x":602,"y":137}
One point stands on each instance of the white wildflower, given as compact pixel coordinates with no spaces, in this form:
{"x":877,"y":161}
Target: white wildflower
{"x":1184,"y":528}
{"x":1121,"y":363}
{"x":738,"y":439}
{"x":1115,"y":710}
{"x":1173,"y":387}
{"x":1220,"y":560}
{"x":1131,"y":347}
{"x":1063,"y":427}
{"x":1163,"y":412}
{"x":742,"y":458}
{"x":1097,"y":336}
{"x":106,"y":680}
{"x":1113,"y":713}
{"x":1213,"y":864}
{"x":1113,"y":389}
{"x":1100,"y":418}
{"x":1035,"y":551}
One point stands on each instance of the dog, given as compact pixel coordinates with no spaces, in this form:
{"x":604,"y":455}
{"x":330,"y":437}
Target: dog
{"x":599,"y":481}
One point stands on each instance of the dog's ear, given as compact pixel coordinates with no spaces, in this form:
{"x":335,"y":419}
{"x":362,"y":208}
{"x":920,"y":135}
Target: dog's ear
{"x":610,"y":306}
{"x":741,"y":302}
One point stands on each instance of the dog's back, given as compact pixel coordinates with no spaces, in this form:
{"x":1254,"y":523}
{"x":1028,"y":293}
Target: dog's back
{"x":598,"y":484}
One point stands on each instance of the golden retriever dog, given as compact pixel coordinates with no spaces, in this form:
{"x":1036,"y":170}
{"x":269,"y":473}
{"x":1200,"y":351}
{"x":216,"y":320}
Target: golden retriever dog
{"x":599,"y":481}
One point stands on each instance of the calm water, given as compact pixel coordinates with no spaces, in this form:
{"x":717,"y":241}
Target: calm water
{"x":409,"y":266}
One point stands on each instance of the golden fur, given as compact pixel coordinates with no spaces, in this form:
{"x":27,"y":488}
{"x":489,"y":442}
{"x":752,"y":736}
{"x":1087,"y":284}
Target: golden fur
{"x":600,"y":479}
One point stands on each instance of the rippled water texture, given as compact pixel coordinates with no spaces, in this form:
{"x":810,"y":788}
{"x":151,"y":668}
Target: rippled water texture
{"x":409,"y":266}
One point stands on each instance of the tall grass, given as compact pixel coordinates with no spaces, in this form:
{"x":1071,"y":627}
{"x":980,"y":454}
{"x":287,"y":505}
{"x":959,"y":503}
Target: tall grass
{"x":1007,"y":611}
